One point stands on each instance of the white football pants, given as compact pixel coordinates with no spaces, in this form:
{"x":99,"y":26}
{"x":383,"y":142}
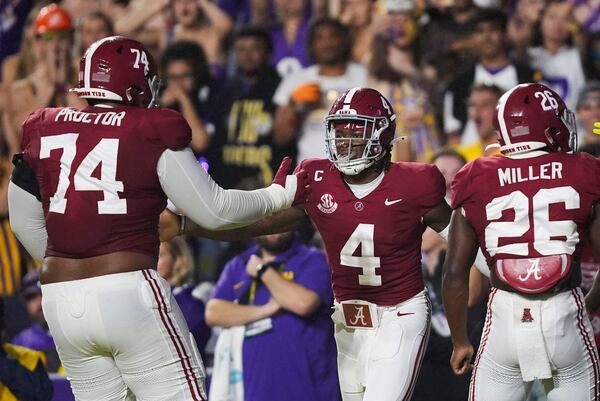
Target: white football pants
{"x":524,"y":336}
{"x":123,"y":337}
{"x":382,"y":364}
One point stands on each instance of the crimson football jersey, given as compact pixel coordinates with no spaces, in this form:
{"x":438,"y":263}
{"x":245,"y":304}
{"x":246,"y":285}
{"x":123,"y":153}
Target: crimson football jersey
{"x":96,"y":170}
{"x":530,"y":207}
{"x":373,"y":244}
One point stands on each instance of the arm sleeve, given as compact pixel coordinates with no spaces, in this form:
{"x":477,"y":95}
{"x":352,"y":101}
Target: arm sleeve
{"x":27,"y":220}
{"x":194,"y":193}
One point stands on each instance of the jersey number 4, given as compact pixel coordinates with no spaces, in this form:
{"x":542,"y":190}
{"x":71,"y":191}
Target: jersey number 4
{"x":105,"y":154}
{"x":362,"y":237}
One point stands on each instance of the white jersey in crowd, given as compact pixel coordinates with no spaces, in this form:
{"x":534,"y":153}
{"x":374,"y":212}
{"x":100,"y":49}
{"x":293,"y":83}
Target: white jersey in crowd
{"x":310,"y":140}
{"x":562,"y":71}
{"x":504,"y":78}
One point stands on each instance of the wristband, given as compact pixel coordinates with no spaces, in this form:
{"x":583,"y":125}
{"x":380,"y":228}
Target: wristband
{"x":262,"y":268}
{"x":182,"y":219}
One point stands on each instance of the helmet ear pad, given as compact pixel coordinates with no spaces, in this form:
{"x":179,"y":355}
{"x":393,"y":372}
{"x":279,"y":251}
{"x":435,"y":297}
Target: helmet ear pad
{"x":136,"y":96}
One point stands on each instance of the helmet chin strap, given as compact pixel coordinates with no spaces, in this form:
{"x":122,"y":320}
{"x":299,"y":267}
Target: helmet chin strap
{"x":359,"y":168}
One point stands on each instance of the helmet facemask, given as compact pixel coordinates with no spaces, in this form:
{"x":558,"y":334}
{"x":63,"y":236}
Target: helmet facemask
{"x":353,"y":141}
{"x":155,"y":84}
{"x":568,"y":119}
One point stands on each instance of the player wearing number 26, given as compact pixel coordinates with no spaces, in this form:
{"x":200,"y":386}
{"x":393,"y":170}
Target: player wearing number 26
{"x":371,"y":214}
{"x":529,"y":210}
{"x":85,"y":198}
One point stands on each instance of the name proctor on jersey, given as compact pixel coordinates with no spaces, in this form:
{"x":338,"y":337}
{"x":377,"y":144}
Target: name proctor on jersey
{"x":106,"y":118}
{"x":547,"y":171}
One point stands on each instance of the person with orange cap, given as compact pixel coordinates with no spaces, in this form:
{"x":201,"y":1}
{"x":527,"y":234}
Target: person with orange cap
{"x":53,"y":75}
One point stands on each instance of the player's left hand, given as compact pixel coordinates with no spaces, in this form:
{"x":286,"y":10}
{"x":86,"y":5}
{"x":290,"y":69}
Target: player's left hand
{"x":168,"y":225}
{"x":596,"y":129}
{"x":460,"y":361}
{"x":297,"y":184}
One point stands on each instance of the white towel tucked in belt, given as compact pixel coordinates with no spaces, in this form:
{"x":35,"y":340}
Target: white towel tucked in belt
{"x":529,"y":339}
{"x":227,"y":383}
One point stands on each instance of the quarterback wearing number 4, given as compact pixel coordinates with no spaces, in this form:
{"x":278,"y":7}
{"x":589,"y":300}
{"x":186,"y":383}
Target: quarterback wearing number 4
{"x":371,"y":214}
{"x":85,"y":198}
{"x":529,"y":210}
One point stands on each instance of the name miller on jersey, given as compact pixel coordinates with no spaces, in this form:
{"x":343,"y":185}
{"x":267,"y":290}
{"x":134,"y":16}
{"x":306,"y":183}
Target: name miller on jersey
{"x":107,"y":118}
{"x":547,"y":171}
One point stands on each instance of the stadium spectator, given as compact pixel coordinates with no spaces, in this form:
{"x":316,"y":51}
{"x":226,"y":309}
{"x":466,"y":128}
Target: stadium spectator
{"x":13,"y":15}
{"x":289,"y":36}
{"x":553,"y":50}
{"x":175,"y":265}
{"x":394,"y":70}
{"x":50,"y":81}
{"x":493,"y":66}
{"x":274,"y":301}
{"x":481,"y":107}
{"x":91,"y":28}
{"x":202,"y":22}
{"x":359,"y":16}
{"x":37,"y":336}
{"x":304,"y":98}
{"x":588,"y":112}
{"x":22,"y":372}
{"x":243,"y":153}
{"x":522,"y":24}
{"x":188,"y":89}
{"x":447,"y":42}
{"x":591,"y":56}
{"x":141,"y":20}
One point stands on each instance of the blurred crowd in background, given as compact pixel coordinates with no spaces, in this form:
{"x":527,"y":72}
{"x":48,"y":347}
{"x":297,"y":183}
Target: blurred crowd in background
{"x":255,"y":79}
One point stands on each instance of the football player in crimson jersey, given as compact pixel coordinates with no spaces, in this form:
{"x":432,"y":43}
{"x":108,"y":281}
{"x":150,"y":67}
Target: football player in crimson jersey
{"x":85,"y":198}
{"x":371,"y":214}
{"x":528,"y":210}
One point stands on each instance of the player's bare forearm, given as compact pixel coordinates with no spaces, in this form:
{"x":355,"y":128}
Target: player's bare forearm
{"x":462,"y":247}
{"x":283,"y":221}
{"x":438,"y":218}
{"x":592,"y":299}
{"x":227,"y":314}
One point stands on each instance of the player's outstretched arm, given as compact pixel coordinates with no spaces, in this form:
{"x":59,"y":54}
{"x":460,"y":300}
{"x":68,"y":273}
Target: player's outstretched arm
{"x":195,"y":194}
{"x":283,"y":221}
{"x":592,"y":299}
{"x":462,"y":248}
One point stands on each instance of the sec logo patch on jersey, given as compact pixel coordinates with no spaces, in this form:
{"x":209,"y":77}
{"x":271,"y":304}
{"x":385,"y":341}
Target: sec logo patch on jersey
{"x":328,"y":204}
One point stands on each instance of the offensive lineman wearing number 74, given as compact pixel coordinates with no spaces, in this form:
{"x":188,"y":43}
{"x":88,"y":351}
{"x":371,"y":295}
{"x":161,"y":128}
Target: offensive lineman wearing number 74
{"x":85,"y":197}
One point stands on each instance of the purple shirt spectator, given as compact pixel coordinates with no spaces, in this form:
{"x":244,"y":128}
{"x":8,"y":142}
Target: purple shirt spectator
{"x":192,"y":302}
{"x":39,"y":339}
{"x":13,"y":15}
{"x":296,"y":359}
{"x":288,"y":58}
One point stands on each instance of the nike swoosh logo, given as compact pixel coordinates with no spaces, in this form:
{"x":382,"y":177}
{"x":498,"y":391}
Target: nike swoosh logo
{"x":389,"y":202}
{"x":404,"y":314}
